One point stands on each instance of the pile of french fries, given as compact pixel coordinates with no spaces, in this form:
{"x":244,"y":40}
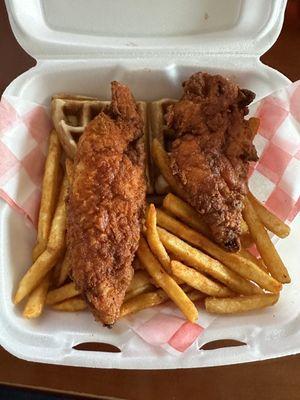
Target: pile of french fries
{"x":177,"y":258}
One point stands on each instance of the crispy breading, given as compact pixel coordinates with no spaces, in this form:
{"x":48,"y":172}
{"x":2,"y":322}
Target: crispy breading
{"x":105,"y":205}
{"x":211,"y":153}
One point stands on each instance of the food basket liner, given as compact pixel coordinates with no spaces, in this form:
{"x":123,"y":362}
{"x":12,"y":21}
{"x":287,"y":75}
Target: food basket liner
{"x":274,"y":179}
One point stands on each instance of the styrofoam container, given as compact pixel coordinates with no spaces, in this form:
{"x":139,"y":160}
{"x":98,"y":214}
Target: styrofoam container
{"x":152,"y":46}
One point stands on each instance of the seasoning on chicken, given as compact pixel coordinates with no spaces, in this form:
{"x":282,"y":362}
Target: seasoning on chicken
{"x":211,"y":152}
{"x":105,"y":205}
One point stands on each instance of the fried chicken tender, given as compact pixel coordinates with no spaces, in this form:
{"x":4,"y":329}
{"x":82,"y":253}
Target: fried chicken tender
{"x":211,"y":153}
{"x":106,"y":204}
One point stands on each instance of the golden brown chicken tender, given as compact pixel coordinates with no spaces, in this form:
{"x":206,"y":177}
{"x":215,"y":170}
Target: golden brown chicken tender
{"x":211,"y":153}
{"x":105,"y":205}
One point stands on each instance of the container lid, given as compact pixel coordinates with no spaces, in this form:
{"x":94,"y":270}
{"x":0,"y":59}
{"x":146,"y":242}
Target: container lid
{"x":130,"y":28}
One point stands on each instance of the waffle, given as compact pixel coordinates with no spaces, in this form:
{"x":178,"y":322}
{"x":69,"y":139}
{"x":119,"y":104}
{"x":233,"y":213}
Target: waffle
{"x":71,"y":114}
{"x":160,"y":131}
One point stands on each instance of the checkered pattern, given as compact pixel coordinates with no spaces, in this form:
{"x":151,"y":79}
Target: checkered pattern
{"x":24,"y":131}
{"x":275,"y":180}
{"x":164,"y":327}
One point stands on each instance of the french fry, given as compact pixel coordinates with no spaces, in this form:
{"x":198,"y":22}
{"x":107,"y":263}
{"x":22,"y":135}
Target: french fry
{"x":69,"y":170}
{"x":268,"y":219}
{"x":187,"y":214}
{"x":44,"y":263}
{"x":57,"y":238}
{"x":205,"y":264}
{"x":64,"y":270}
{"x":70,"y":305}
{"x":140,"y":278}
{"x":36,"y":301}
{"x":233,"y":261}
{"x":199,"y":281}
{"x":152,"y":299}
{"x":264,"y":245}
{"x":63,"y":293}
{"x":195,"y":295}
{"x":143,"y":301}
{"x":155,"y":243}
{"x":244,"y":228}
{"x":232,"y":305}
{"x":49,"y":194}
{"x":140,"y":283}
{"x":186,"y":288}
{"x":56,"y":272}
{"x":55,"y":248}
{"x":161,"y":186}
{"x":162,"y":161}
{"x":246,"y":254}
{"x":166,"y":282}
{"x":140,"y":290}
{"x":153,"y":239}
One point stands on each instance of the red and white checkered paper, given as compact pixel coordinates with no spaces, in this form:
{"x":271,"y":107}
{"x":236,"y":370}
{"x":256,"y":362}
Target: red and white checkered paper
{"x":274,"y":179}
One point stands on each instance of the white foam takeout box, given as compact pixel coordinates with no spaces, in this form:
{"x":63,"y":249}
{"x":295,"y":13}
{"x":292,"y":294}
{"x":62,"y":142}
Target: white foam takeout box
{"x":80,"y":47}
